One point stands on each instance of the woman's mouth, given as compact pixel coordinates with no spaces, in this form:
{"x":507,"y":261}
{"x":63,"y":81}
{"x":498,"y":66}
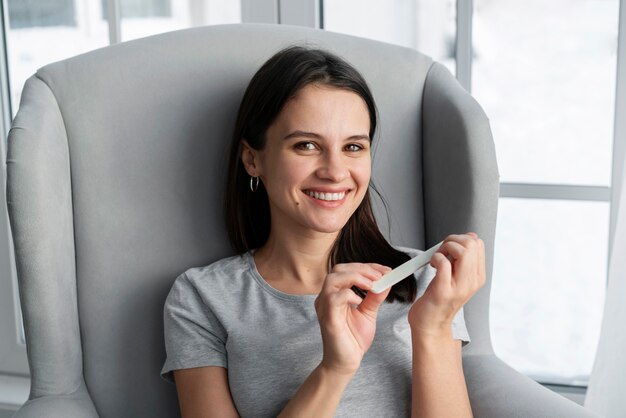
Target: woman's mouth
{"x":328,"y":197}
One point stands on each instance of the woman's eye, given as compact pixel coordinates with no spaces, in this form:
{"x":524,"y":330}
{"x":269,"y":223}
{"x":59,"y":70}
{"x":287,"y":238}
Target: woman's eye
{"x":306,"y":146}
{"x":354,"y":147}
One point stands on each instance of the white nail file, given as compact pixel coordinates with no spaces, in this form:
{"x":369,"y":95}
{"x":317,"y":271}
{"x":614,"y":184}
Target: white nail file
{"x":405,"y":269}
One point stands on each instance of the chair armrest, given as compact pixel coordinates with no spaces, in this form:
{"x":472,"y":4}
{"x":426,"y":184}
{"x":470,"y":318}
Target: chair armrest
{"x":461,"y":182}
{"x":78,"y":404}
{"x":497,"y":390}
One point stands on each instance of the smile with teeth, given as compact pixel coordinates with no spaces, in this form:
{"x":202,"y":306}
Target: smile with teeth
{"x":326,"y":196}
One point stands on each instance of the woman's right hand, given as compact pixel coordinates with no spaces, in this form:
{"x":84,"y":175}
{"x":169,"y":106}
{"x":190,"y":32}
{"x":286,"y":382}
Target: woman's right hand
{"x":348,"y":322}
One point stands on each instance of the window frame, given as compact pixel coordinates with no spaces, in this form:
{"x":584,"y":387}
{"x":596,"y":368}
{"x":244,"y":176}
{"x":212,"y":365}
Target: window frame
{"x":14,"y":380}
{"x":619,"y":129}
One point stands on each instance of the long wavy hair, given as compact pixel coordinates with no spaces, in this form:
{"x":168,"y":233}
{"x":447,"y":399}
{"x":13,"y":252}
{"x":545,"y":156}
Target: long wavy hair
{"x":248,"y":214}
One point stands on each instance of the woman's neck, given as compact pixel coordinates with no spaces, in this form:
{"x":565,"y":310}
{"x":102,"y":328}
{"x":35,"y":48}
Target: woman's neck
{"x":296,"y":264}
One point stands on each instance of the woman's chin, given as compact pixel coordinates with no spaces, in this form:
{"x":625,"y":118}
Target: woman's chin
{"x":328,"y":227}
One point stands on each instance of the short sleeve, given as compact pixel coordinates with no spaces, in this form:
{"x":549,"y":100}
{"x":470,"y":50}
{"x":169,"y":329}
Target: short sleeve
{"x":194,"y":337}
{"x":424,"y":277}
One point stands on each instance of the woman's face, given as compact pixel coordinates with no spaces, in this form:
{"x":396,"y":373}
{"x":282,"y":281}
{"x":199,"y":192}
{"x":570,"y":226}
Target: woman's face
{"x":316,"y":163}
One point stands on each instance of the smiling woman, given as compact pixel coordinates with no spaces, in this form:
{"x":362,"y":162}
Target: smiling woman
{"x":283,"y":328}
{"x":302,"y":97}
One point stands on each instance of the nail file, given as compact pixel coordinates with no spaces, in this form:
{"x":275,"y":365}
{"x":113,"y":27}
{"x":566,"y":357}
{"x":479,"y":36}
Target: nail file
{"x":404,"y":270}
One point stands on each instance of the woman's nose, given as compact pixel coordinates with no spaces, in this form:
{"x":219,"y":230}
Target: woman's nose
{"x":332,"y":167}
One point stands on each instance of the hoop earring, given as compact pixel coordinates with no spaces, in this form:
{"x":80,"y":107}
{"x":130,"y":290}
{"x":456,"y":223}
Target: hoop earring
{"x":254,"y":184}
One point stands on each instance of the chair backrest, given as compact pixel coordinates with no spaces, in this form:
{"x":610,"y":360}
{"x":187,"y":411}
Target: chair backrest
{"x":116,"y":178}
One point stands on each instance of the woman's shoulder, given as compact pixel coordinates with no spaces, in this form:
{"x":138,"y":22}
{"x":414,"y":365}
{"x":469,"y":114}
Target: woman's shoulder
{"x":218,"y":277}
{"x":226,"y":266}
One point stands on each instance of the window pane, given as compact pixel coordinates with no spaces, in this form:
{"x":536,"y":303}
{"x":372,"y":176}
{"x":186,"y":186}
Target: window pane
{"x":545,"y":73}
{"x":548,"y":286}
{"x":142,"y":18}
{"x":426,"y":25}
{"x":44,"y":31}
{"x":30,"y":13}
{"x":141,"y":8}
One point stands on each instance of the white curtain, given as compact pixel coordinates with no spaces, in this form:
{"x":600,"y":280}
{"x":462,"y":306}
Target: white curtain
{"x":606,"y":393}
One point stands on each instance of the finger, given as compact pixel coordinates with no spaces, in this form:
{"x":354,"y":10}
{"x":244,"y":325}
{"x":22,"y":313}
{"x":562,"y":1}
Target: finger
{"x":464,"y":265}
{"x":360,"y":275}
{"x":453,"y":249}
{"x":339,"y":281}
{"x":372,"y":302}
{"x":380,"y":268}
{"x":475,"y":245}
{"x":467,"y":240}
{"x":462,"y":245}
{"x":468,"y":268}
{"x":477,"y":249}
{"x":340,"y":300}
{"x":444,"y":269}
{"x":481,"y":262}
{"x":343,"y":267}
{"x":365,"y":268}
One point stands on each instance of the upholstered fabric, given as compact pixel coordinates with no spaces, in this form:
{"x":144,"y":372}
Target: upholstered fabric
{"x":496,"y":390}
{"x":116,"y":167}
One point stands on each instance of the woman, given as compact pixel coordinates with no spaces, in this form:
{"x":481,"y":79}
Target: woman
{"x":288,"y":328}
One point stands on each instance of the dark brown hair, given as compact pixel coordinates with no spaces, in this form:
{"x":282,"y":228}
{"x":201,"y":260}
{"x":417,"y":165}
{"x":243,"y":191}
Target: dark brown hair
{"x":248,"y":214}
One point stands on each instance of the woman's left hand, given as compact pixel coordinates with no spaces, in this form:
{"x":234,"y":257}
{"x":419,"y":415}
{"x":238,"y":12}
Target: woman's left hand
{"x":460,"y":264}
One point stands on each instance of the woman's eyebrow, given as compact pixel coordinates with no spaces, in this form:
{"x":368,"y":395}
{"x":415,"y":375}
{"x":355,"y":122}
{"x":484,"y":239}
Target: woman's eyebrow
{"x":305,"y":134}
{"x":300,"y":134}
{"x":358,"y":137}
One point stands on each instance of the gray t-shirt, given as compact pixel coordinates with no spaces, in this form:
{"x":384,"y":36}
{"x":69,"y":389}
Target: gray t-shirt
{"x":227,"y":315}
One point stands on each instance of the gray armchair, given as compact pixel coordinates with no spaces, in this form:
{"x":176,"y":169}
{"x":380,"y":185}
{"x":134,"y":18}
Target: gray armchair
{"x":116,"y":172}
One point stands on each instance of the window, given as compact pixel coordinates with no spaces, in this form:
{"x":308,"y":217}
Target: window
{"x":547,"y":294}
{"x":141,"y":8}
{"x":45,"y":40}
{"x":140,"y":18}
{"x":553,"y":64}
{"x":43,"y":31}
{"x":545,"y":73}
{"x":426,"y":25}
{"x":37,"y":13}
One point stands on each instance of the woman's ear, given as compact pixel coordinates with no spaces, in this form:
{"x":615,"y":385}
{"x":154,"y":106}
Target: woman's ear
{"x":249,"y":158}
